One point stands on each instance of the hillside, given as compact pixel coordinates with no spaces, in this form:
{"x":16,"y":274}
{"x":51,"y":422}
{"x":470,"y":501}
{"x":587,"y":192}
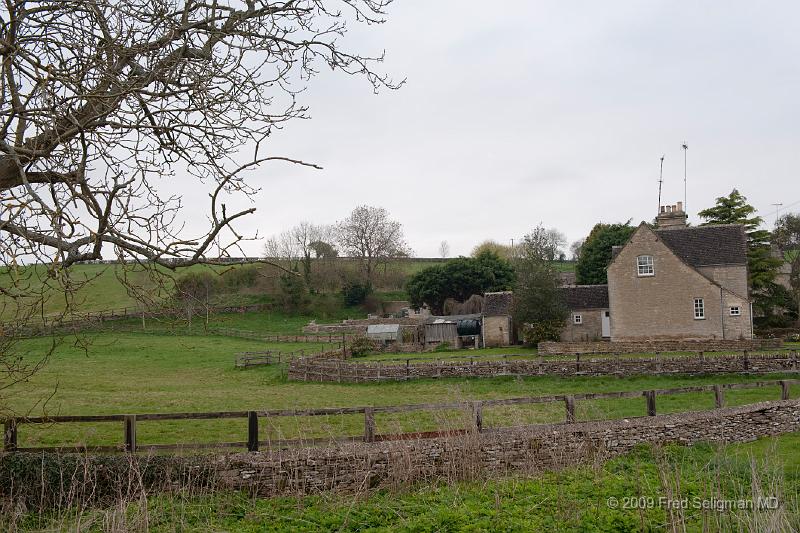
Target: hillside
{"x":114,"y":286}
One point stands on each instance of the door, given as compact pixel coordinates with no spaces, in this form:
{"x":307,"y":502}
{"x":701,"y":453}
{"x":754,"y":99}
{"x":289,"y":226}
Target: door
{"x":605,"y":324}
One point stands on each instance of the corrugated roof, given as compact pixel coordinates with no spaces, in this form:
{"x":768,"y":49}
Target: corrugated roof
{"x":585,"y":296}
{"x":708,"y":245}
{"x":383,"y":328}
{"x":498,"y":303}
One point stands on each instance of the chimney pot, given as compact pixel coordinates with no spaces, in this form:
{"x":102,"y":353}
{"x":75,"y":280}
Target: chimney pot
{"x":663,"y":209}
{"x":680,"y":207}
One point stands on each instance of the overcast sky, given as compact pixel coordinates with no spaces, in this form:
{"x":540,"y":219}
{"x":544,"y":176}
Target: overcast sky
{"x":522,"y":112}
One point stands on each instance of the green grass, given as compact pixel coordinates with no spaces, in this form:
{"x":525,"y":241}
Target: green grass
{"x":143,"y":373}
{"x":575,"y":499}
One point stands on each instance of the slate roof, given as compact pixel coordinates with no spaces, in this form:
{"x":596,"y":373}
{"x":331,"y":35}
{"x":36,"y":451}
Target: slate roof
{"x":586,"y":296}
{"x":498,"y":303}
{"x":708,"y":245}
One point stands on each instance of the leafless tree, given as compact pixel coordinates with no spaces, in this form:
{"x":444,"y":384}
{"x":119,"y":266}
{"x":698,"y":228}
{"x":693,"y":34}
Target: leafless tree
{"x":371,"y":236}
{"x":104,"y":101}
{"x":444,"y":249}
{"x":575,"y":249}
{"x":298,"y":246}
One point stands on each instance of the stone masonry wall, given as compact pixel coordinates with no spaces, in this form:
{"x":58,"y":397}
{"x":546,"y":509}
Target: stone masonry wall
{"x":566,"y":348}
{"x":360,"y":466}
{"x":319,"y":369}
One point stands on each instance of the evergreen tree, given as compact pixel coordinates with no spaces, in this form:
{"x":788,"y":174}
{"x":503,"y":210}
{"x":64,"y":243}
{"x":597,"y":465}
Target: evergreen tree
{"x":595,"y":254}
{"x":763,"y":267}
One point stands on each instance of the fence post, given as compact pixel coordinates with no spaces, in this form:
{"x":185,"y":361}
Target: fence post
{"x":651,"y":402}
{"x":746,"y":360}
{"x":369,"y":424}
{"x":130,"y":433}
{"x":719,"y":397}
{"x":252,"y":431}
{"x":408,"y":369}
{"x":658,"y":362}
{"x":784,"y":390}
{"x":10,"y":435}
{"x":477,"y":412}
{"x":702,"y":355}
{"x":577,"y":363}
{"x":569,"y":401}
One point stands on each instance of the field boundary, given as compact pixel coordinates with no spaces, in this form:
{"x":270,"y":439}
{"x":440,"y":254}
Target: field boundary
{"x":322,"y":369}
{"x":473,"y":409}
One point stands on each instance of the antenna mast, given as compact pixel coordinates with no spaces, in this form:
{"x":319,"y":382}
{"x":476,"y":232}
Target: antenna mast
{"x":685,"y":199}
{"x":660,"y":182}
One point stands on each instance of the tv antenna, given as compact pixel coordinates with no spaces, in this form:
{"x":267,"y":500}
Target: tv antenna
{"x":685,"y":199}
{"x":660,"y":182}
{"x":777,"y":213}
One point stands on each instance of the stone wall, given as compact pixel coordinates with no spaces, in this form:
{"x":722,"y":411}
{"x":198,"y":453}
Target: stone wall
{"x":359,"y":466}
{"x":320,"y":369}
{"x":602,"y":347}
{"x":359,"y":326}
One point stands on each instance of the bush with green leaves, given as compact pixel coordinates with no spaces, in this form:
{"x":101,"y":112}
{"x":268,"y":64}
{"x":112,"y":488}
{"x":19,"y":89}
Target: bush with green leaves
{"x":459,"y":279}
{"x":355,"y":293}
{"x":361,"y":346}
{"x":533,"y":334}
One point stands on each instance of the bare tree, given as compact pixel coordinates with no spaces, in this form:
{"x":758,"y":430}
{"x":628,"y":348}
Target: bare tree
{"x":444,"y":249}
{"x":575,"y":249}
{"x":371,"y":236}
{"x":103,"y":101}
{"x":544,"y":244}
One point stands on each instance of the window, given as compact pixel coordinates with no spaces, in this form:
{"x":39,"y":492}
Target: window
{"x":736,"y":310}
{"x":699,"y":309}
{"x":644,"y":265}
{"x":577,"y":319}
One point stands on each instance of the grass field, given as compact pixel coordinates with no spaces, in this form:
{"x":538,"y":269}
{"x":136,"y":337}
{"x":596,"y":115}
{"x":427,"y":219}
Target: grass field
{"x":123,"y":373}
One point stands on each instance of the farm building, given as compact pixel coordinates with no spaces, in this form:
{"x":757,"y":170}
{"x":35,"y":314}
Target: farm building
{"x":498,"y":326}
{"x":456,"y":330}
{"x":589,"y":318}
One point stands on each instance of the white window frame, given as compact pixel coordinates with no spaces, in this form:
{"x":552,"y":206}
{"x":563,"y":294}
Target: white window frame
{"x":699,"y":309}
{"x":735,"y":310}
{"x":646,"y":268}
{"x":577,"y":319}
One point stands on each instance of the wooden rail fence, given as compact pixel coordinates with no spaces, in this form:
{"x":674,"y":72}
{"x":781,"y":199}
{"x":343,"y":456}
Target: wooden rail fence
{"x":269,"y":357}
{"x":254,"y":443}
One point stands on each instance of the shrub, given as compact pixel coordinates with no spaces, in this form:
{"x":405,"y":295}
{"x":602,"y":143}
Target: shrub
{"x":443,"y":347}
{"x":241,"y":277}
{"x":533,"y":334}
{"x":355,"y":293}
{"x":360,"y":346}
{"x":196,"y":286}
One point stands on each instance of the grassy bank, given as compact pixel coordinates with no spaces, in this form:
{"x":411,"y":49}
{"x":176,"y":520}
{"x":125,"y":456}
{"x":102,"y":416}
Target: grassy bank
{"x":576,"y":499}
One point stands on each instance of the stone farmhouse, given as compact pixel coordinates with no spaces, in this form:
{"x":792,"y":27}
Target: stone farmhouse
{"x":671,"y":282}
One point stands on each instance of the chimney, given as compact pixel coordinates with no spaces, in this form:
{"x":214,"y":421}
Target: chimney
{"x":671,"y":217}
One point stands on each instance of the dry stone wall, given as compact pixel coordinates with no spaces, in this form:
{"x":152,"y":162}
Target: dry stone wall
{"x":567,"y":348}
{"x":360,"y":466}
{"x":322,"y":369}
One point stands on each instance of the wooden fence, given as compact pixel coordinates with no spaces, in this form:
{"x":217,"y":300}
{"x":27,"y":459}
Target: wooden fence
{"x":253,"y":442}
{"x":269,"y":357}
